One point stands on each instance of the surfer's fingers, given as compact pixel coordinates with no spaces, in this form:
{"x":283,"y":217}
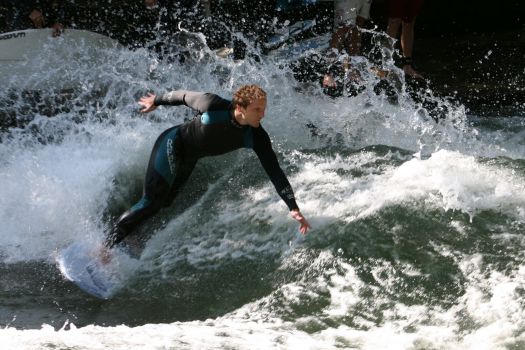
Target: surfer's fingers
{"x":149,"y":108}
{"x":304,"y":226}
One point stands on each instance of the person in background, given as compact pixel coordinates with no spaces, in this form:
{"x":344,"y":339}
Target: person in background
{"x":402,"y":15}
{"x":349,"y":16}
{"x":25,"y":14}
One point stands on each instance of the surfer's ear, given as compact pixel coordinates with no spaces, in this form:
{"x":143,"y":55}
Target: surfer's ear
{"x":241,"y":110}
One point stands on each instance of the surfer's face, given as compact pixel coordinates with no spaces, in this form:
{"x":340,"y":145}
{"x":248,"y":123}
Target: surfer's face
{"x":253,"y":113}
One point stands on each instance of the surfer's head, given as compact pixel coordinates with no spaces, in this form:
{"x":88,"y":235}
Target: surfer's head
{"x":246,"y":94}
{"x":250,"y":104}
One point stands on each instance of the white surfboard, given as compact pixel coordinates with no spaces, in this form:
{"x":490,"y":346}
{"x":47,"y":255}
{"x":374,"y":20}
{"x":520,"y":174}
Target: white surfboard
{"x":28,"y":53}
{"x":81,"y":264}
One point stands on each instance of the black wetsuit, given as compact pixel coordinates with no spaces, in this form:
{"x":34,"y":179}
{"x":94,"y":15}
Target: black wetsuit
{"x":212,"y":132}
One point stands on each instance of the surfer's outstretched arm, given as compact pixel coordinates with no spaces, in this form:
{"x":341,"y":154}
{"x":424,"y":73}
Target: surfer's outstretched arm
{"x":198,"y":101}
{"x":263,"y":148}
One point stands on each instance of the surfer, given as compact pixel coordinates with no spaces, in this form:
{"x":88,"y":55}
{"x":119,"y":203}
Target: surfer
{"x":221,"y":126}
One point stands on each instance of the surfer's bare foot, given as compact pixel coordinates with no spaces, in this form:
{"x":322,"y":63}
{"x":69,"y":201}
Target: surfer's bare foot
{"x":105,"y":256}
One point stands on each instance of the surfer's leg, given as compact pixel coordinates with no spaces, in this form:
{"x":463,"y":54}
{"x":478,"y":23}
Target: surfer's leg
{"x":157,"y":194}
{"x":161,"y":175}
{"x":184,"y":170}
{"x":128,"y":221}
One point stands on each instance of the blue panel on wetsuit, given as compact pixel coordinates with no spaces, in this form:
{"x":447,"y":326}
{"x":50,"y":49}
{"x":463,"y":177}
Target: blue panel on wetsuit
{"x":213,"y":117}
{"x":165,"y":161}
{"x":143,"y":203}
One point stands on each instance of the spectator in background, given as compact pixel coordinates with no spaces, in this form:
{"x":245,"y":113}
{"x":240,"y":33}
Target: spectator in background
{"x":402,"y":15}
{"x":24,"y":14}
{"x":349,"y":16}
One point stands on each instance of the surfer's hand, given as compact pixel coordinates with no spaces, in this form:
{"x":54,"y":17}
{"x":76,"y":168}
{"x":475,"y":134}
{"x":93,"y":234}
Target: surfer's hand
{"x":148,"y":102}
{"x":296,"y":214}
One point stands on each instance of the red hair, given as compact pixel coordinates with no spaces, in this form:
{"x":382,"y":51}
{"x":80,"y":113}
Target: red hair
{"x":246,"y":94}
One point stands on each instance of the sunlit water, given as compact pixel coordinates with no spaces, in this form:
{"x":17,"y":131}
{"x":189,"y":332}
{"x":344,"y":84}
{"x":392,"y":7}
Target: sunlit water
{"x":417,"y":238}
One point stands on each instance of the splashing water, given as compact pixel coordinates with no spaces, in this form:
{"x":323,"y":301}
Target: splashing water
{"x":417,"y":225}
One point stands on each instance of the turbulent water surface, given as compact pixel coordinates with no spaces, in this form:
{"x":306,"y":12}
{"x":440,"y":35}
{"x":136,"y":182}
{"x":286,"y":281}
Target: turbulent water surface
{"x":417,"y":227}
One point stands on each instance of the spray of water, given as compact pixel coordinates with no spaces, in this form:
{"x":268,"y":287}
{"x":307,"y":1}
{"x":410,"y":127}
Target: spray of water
{"x":405,"y":209}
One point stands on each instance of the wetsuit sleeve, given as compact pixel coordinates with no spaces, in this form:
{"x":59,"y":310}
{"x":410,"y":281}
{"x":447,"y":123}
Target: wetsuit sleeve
{"x":199,"y":101}
{"x":263,"y":148}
